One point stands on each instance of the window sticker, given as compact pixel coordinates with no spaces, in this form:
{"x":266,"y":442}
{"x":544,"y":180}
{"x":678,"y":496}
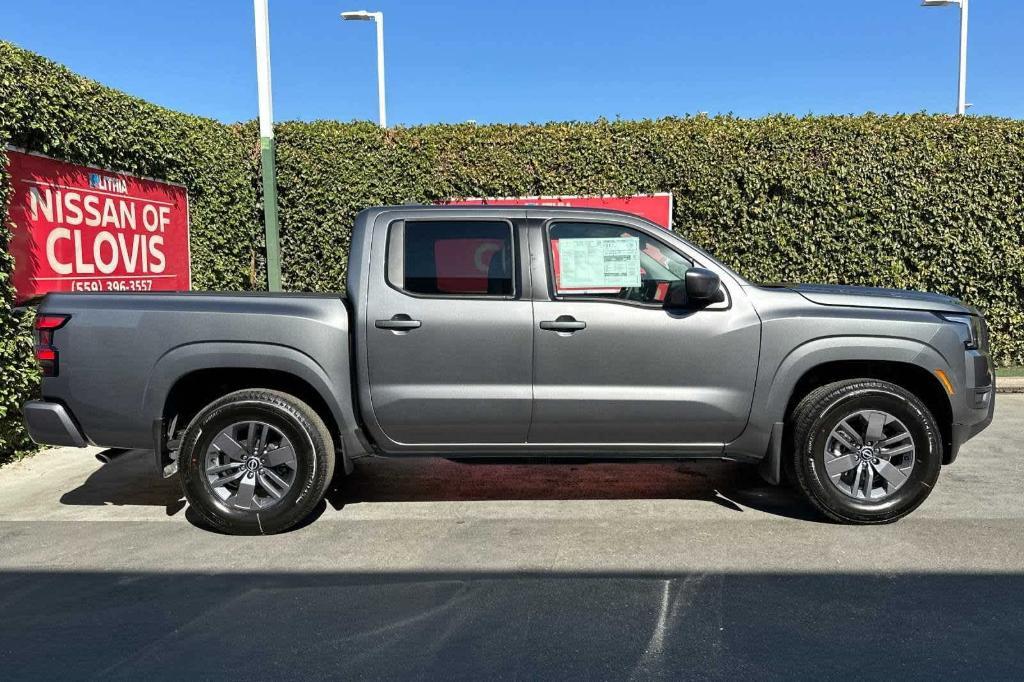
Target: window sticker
{"x":599,"y":263}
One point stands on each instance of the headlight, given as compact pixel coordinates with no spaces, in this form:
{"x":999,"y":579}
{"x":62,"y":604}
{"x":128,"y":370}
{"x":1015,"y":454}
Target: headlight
{"x":972,"y":325}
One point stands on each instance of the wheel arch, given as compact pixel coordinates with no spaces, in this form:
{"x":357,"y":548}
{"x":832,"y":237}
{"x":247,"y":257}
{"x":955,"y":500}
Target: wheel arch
{"x":197,"y":389}
{"x":190,"y":377}
{"x":907,"y":362}
{"x":915,"y":378}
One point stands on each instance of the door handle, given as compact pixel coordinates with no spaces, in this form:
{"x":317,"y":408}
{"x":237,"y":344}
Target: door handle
{"x":564,"y":323}
{"x":398,"y":323}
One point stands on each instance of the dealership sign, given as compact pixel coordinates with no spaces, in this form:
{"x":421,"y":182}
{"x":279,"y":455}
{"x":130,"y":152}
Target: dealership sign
{"x":78,"y":228}
{"x":655,"y":207}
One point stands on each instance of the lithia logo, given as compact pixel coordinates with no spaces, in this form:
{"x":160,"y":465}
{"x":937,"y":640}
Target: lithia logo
{"x":108,"y":183}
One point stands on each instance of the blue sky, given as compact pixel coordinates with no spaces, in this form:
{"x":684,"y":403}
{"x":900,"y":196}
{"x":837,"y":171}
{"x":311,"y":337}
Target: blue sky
{"x":453,"y":60}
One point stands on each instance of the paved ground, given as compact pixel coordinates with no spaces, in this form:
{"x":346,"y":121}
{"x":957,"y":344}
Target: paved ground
{"x":426,"y":568}
{"x":1010,"y":384}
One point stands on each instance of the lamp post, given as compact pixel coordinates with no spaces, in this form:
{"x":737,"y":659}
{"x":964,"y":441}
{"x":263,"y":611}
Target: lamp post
{"x":961,"y":97}
{"x":377,"y":18}
{"x":267,"y":144}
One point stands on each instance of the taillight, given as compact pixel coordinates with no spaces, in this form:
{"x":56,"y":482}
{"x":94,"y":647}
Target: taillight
{"x":46,"y":353}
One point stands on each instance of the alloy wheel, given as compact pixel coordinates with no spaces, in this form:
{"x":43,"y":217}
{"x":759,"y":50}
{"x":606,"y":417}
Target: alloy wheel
{"x":250,"y":465}
{"x":869,"y":455}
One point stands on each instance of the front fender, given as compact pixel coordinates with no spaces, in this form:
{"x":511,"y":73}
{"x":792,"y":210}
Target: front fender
{"x":807,"y":356}
{"x":775,"y":385}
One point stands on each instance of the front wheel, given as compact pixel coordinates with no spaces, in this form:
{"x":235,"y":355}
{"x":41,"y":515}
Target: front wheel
{"x":256,"y":462}
{"x":865,"y":451}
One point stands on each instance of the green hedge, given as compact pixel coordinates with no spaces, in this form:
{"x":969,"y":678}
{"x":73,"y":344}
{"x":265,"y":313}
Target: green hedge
{"x":921,"y":202}
{"x":916,"y":202}
{"x":17,"y":375}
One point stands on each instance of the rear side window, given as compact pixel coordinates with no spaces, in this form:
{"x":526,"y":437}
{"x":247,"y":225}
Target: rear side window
{"x":455,"y":258}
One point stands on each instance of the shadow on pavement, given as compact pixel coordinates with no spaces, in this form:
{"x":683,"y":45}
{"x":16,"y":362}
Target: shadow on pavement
{"x":522,"y":626}
{"x":131,"y":480}
{"x":726,"y":484}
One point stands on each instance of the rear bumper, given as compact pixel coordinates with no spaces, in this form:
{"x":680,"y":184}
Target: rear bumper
{"x":51,"y":424}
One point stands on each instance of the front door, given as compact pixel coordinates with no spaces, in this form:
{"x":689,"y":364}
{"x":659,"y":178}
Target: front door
{"x":449,"y":336}
{"x":613,"y":366}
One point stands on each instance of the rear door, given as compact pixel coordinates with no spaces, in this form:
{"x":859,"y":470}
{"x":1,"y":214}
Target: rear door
{"x":449,"y":333}
{"x":612,"y":366}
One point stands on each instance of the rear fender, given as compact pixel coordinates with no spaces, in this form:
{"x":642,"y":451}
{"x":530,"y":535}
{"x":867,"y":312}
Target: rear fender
{"x":183,"y":360}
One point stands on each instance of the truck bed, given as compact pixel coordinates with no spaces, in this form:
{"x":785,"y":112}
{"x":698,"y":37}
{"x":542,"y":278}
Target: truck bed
{"x":121,"y":354}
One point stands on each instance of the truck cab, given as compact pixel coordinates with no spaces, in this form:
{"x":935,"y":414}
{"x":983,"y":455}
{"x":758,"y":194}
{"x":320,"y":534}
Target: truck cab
{"x":474,"y":337}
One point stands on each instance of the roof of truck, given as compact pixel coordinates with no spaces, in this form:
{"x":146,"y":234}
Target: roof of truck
{"x":501,"y":208}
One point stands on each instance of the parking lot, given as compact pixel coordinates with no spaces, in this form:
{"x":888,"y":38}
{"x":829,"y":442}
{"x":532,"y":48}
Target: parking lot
{"x":429,"y":568}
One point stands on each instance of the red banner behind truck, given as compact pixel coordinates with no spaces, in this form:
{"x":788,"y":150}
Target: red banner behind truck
{"x":655,"y":207}
{"x":466,"y":262}
{"x":78,"y":228}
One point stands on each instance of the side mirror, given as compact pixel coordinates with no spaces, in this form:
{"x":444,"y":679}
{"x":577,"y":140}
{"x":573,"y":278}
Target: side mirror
{"x":698,"y":287}
{"x":702,"y":286}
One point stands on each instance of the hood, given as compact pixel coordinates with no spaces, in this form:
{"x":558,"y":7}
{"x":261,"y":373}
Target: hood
{"x":874,"y":297}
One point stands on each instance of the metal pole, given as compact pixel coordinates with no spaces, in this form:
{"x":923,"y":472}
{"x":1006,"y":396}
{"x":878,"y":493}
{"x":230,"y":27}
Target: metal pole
{"x":379,"y":20}
{"x":267,"y":144}
{"x":961,"y":99}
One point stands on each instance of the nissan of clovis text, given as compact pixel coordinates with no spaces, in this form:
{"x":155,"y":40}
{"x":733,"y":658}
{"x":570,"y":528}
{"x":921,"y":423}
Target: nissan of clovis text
{"x":474,"y":332}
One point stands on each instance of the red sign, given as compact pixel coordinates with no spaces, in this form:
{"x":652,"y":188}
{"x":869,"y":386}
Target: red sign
{"x":655,"y":207}
{"x":77,"y":228}
{"x":462,"y":265}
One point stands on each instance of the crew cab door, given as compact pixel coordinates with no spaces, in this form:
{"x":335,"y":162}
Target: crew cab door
{"x":449,"y":338}
{"x":612,"y":365}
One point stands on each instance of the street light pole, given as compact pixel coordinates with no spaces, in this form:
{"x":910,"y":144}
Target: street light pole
{"x":961,"y":99}
{"x":961,"y":95}
{"x":381,"y":106}
{"x":378,"y":19}
{"x":266,"y":108}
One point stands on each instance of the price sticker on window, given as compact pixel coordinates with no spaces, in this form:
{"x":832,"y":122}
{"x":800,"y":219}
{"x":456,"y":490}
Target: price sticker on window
{"x":599,"y":263}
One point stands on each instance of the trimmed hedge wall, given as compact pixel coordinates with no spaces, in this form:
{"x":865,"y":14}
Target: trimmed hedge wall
{"x":17,"y":372}
{"x":920,"y":202}
{"x":915,"y":202}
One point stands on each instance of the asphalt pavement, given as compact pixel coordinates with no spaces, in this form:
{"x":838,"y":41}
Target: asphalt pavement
{"x":429,"y":568}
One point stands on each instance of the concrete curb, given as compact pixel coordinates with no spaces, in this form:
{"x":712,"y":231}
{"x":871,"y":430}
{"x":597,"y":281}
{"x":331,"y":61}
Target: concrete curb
{"x":1009,"y":384}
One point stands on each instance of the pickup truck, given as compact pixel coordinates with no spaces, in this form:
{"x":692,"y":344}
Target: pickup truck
{"x":526,"y":332}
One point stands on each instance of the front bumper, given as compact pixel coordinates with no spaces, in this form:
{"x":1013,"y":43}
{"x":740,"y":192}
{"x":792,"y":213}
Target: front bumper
{"x":978,"y":404}
{"x":51,"y":424}
{"x":964,"y":432}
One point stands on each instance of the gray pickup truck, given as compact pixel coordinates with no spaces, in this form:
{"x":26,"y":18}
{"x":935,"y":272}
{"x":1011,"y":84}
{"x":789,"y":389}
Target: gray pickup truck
{"x":474,"y":332}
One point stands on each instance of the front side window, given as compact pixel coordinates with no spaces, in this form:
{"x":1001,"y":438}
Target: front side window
{"x":599,"y":260}
{"x":457,"y":258}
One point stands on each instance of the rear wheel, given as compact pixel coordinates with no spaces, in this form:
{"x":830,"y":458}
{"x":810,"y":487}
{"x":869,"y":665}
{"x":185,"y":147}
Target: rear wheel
{"x":865,"y":451}
{"x":256,"y":462}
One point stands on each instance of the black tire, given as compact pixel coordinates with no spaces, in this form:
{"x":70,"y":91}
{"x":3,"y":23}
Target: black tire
{"x":822,"y":409}
{"x":314,"y":461}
